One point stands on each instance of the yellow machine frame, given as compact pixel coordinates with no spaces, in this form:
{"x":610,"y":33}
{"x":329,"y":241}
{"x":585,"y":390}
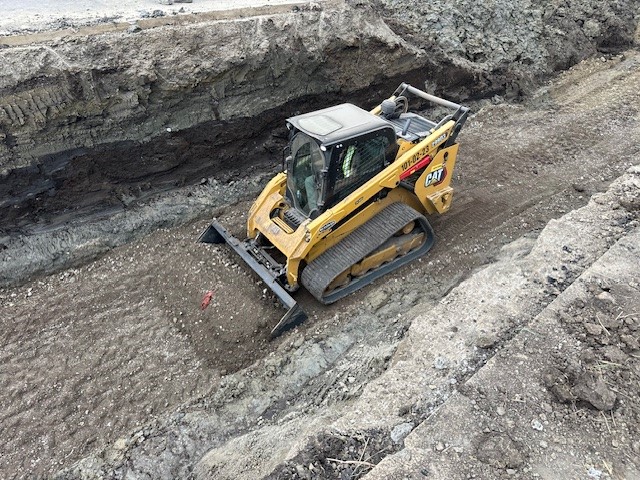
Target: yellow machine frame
{"x":315,"y":236}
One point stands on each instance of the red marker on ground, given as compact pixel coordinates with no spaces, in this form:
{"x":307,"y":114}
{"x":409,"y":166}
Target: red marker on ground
{"x":206,"y":300}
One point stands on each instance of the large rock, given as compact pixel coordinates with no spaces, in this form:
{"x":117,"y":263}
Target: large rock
{"x":595,"y":392}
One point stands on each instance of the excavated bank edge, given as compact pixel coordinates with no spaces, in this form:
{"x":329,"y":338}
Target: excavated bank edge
{"x":82,"y":92}
{"x":498,"y":299}
{"x":263,"y":422}
{"x":115,"y":87}
{"x":506,"y":417}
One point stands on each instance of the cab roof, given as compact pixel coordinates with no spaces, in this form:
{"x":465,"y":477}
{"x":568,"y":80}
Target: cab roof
{"x":338,"y":123}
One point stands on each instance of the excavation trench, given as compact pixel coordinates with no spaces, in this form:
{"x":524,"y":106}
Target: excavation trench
{"x":96,"y":125}
{"x":117,"y":147}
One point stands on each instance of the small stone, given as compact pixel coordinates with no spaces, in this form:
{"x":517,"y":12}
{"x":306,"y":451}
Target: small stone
{"x":400,"y":432}
{"x":594,"y":473}
{"x":593,"y":329}
{"x":134,"y":28}
{"x":120,"y":444}
{"x":486,"y":340}
{"x":500,"y":410}
{"x":511,"y":471}
{"x":439,"y":446}
{"x":440,"y":363}
{"x":630,"y":341}
{"x":594,"y":391}
{"x":543,"y":444}
{"x":606,"y":297}
{"x":537,"y":425}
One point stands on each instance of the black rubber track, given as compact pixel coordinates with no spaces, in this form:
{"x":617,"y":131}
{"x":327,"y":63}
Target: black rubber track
{"x":364,"y":240}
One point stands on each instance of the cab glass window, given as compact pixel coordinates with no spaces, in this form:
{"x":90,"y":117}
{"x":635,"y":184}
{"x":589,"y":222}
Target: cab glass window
{"x":305,"y":178}
{"x":355,"y":163}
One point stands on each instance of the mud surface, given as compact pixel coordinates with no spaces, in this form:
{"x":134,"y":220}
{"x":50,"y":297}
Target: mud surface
{"x":121,"y":343}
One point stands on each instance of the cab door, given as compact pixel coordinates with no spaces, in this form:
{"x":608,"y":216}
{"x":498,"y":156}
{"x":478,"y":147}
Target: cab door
{"x":356,"y":161}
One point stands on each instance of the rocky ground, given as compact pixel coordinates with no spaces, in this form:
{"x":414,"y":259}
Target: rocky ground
{"x":511,"y":350}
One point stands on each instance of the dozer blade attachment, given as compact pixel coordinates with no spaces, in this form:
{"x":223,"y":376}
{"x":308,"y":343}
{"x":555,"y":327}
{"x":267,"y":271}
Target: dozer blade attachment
{"x":211,"y":235}
{"x":216,"y":233}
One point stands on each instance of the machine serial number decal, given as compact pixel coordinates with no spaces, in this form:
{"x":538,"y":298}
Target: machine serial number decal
{"x":435,"y":177}
{"x":418,"y":157}
{"x":439,"y":140}
{"x":327,"y":226}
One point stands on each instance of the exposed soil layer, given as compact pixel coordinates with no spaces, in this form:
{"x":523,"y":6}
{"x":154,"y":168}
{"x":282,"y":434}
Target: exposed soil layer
{"x":154,"y":358}
{"x":92,"y":122}
{"x":85,"y":183}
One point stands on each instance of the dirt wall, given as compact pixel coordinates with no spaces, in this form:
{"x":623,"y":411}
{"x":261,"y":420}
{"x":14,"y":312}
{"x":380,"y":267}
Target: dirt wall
{"x":509,"y":47}
{"x":84,"y":117}
{"x":99,"y":90}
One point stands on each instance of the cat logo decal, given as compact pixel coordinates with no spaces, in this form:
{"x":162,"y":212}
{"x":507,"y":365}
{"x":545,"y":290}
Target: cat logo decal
{"x":436,"y":176}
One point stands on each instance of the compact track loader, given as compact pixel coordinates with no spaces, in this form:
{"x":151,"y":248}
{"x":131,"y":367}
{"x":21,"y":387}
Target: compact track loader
{"x":351,"y":204}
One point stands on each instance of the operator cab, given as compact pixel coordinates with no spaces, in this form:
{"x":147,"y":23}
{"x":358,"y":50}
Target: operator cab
{"x":333,"y":152}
